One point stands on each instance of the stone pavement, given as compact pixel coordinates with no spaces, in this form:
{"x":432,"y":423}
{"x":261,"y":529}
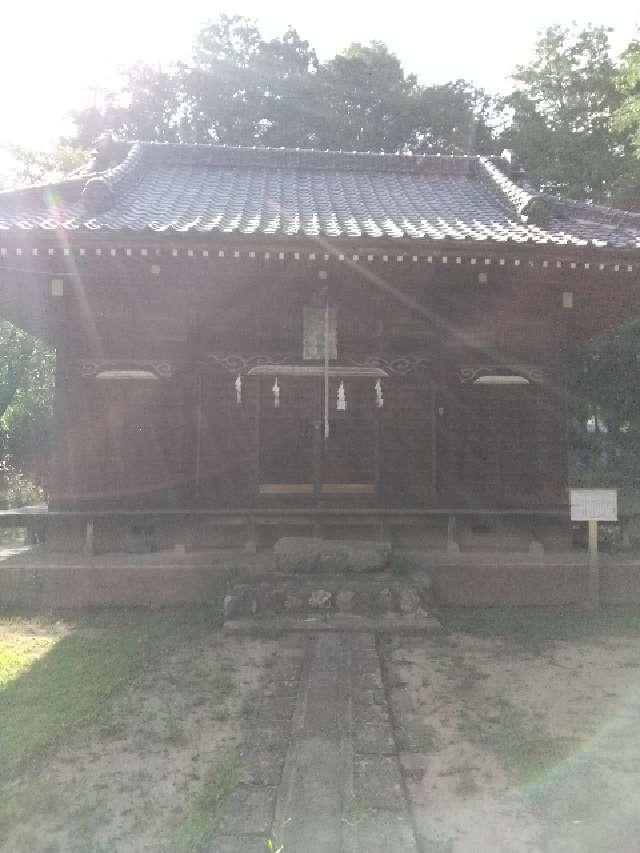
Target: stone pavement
{"x":321,"y":770}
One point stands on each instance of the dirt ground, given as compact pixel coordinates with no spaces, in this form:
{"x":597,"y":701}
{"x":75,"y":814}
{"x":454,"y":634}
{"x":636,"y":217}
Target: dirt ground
{"x":506,"y":745}
{"x":508,"y":749}
{"x":125,"y":784}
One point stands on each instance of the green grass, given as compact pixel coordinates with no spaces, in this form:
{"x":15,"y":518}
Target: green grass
{"x":535,"y":629}
{"x":197,"y":831}
{"x":19,"y":653}
{"x":526,"y":752}
{"x":71,"y":685}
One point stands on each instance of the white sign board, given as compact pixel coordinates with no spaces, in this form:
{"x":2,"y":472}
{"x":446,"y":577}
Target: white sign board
{"x":594,"y":505}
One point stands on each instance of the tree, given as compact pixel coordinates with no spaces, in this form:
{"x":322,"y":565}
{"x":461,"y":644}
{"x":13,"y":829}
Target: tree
{"x":605,"y":425}
{"x":27,"y":369}
{"x":562,"y":127}
{"x":241,"y":89}
{"x":146,"y":107}
{"x":626,"y":122}
{"x":454,"y":118}
{"x":27,"y":365}
{"x":33,"y":165}
{"x":369,"y":103}
{"x":627,"y":115}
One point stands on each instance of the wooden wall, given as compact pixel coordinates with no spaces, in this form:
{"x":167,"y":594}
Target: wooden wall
{"x":184,"y":440}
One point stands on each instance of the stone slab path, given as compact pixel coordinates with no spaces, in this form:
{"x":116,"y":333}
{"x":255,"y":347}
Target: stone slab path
{"x":322,"y":771}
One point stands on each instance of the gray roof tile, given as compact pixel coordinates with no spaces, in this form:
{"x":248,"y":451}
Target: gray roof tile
{"x":162,"y":188}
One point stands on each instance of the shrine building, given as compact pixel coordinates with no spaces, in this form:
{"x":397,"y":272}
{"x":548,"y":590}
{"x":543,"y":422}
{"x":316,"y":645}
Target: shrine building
{"x":252,"y":342}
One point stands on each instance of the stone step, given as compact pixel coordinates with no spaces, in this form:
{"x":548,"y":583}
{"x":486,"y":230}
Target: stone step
{"x":333,"y":623}
{"x":369,"y":596}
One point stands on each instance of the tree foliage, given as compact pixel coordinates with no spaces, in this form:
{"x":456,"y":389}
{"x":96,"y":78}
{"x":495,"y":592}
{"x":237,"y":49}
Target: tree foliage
{"x":627,"y":116}
{"x":34,"y":165}
{"x":27,"y":369}
{"x":240,"y":89}
{"x":604,"y":377}
{"x":562,"y":128}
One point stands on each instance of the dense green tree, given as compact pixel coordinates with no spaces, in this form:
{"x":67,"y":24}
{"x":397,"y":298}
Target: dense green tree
{"x":27,"y":368}
{"x":27,"y":364}
{"x":454,"y":118}
{"x":562,"y":107}
{"x":603,"y":378}
{"x":33,"y":165}
{"x":627,"y":115}
{"x":241,"y":89}
{"x":146,"y":107}
{"x":369,"y":104}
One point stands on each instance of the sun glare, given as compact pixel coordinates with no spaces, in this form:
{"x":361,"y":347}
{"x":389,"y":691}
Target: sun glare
{"x":58,"y":59}
{"x":20,"y":647}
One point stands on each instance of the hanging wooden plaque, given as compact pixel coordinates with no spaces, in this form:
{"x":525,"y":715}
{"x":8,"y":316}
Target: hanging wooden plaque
{"x":313,"y":333}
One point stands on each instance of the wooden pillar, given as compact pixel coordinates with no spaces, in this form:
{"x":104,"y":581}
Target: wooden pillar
{"x":198,"y":460}
{"x":378,"y":451}
{"x":89,"y":546}
{"x":318,"y":450}
{"x":593,"y":585}
{"x":452,"y":545}
{"x":251,"y":543}
{"x":257,"y":407}
{"x":61,"y":472}
{"x":434,"y":444}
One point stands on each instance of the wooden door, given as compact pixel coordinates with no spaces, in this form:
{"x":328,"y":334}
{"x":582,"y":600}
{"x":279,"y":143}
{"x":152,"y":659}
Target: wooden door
{"x":490,"y":451}
{"x":289,"y":424}
{"x":295,"y":457}
{"x":349,"y":452}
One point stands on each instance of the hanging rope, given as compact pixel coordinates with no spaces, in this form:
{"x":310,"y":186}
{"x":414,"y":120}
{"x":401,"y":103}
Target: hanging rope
{"x":326,"y":366}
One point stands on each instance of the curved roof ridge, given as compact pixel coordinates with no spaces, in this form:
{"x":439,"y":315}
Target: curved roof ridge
{"x":218,"y":154}
{"x":518,"y":196}
{"x":538,"y":206}
{"x":100,"y":190}
{"x":598,"y":212}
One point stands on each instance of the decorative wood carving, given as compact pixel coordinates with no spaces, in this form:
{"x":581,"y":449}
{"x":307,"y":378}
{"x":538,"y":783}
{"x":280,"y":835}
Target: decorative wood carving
{"x":162,"y":369}
{"x":317,"y":370}
{"x":468,"y":375}
{"x":241,"y":363}
{"x":401,"y":365}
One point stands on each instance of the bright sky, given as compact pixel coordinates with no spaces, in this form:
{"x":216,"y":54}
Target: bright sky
{"x":53,"y":53}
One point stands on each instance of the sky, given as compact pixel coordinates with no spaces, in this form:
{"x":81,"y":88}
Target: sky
{"x":55,"y":56}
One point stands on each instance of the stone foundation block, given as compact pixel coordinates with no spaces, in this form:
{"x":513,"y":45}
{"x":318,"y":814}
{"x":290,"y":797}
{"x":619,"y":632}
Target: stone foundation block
{"x":307,"y":555}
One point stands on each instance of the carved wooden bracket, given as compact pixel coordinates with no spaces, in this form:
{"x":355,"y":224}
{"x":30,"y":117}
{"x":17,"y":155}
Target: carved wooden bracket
{"x":469,"y":375}
{"x":161,"y":369}
{"x":401,"y":365}
{"x":240,"y":363}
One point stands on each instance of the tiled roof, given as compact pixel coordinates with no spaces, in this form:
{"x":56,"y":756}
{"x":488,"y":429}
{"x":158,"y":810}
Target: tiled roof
{"x":143,"y":187}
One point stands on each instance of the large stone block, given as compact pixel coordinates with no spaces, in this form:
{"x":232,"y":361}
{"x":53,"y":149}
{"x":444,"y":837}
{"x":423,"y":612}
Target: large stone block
{"x":308,"y":555}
